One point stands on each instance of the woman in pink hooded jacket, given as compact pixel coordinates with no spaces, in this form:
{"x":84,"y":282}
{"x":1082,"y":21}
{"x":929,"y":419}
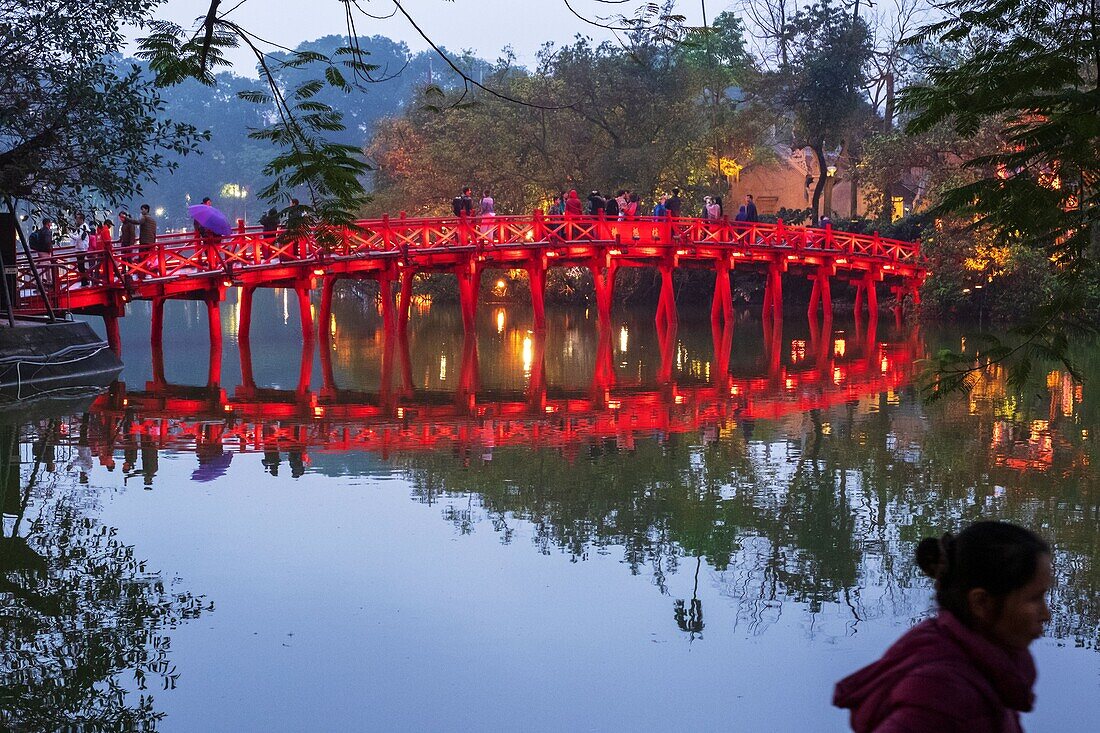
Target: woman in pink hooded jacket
{"x":969,"y":668}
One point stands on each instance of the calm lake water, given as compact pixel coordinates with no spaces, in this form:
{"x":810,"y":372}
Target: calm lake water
{"x":573,"y":532}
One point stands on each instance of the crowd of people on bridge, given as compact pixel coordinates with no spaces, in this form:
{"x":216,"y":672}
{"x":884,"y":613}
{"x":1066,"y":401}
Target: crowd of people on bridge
{"x":627,"y":204}
{"x":137,"y":235}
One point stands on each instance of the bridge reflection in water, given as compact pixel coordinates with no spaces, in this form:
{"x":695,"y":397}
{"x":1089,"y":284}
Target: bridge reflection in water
{"x":826,"y":369}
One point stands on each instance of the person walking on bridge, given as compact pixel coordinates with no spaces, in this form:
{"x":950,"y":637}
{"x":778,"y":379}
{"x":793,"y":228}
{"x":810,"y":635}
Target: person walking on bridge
{"x":463,"y":204}
{"x":97,"y":262}
{"x":270,"y":223}
{"x":41,"y":243}
{"x":573,"y":206}
{"x":750,"y":209}
{"x":79,"y":238}
{"x":126,"y":238}
{"x":208,"y":239}
{"x":487,"y":211}
{"x":673,"y":205}
{"x":147,"y":236}
{"x":596,"y":203}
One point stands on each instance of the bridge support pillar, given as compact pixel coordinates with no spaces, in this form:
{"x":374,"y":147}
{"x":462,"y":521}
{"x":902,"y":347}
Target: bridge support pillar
{"x":469,"y":283}
{"x":327,"y":287}
{"x":305,"y":370}
{"x":721,"y":308}
{"x":603,"y":278}
{"x":666,"y":305}
{"x":867,"y":292}
{"x":822,"y":293}
{"x":244,"y":307}
{"x":157,"y":357}
{"x":872,"y":293}
{"x":114,"y":340}
{"x":328,"y":387}
{"x":536,"y":278}
{"x":248,"y":379}
{"x":773,"y":292}
{"x":404,"y":305}
{"x":214,"y":325}
{"x":156,"y":328}
{"x":385,"y":292}
{"x":305,"y":313}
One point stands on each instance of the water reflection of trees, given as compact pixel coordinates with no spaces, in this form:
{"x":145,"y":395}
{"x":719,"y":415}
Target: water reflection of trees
{"x":816,"y":510}
{"x":83,"y":622}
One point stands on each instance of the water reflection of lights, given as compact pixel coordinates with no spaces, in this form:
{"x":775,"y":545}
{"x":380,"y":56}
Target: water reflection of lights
{"x":443,"y":368}
{"x":624,"y":339}
{"x":614,"y":404}
{"x":838,"y":376}
{"x":332,"y":325}
{"x":885,"y":365}
{"x":286,"y":308}
{"x":788,"y":383}
{"x":500,"y":320}
{"x":839,"y":346}
{"x":528,"y":355}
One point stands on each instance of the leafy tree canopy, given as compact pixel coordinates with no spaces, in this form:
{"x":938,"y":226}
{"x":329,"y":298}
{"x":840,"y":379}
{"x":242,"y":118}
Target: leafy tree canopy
{"x":1031,"y":69}
{"x":76,"y":124}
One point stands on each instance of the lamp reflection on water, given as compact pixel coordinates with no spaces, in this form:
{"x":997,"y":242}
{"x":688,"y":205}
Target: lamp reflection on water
{"x":528,"y":355}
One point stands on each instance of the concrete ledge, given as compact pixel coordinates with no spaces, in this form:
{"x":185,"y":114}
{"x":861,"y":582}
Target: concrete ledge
{"x":47,"y":357}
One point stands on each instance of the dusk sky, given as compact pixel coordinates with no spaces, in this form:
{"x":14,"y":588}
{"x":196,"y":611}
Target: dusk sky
{"x":485,"y":26}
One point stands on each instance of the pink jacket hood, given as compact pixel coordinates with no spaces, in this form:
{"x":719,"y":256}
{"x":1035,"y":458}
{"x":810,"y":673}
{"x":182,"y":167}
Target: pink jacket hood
{"x":940,"y":676}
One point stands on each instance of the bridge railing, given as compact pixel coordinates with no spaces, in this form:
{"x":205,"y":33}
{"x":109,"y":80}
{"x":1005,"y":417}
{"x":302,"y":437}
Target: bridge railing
{"x":186,"y":255}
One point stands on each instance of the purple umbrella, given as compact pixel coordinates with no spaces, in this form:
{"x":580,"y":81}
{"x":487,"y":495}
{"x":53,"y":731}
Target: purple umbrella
{"x":210,"y":218}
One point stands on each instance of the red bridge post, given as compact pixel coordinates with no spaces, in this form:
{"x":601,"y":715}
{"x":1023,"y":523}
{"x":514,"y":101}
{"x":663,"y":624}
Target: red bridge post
{"x":666,"y":305}
{"x":244,"y":307}
{"x":536,"y":279}
{"x":469,"y":283}
{"x":156,"y":324}
{"x":822,"y":292}
{"x":305,"y":312}
{"x":404,"y":305}
{"x":114,"y":339}
{"x":773,"y":291}
{"x":214,"y":326}
{"x":721,"y":308}
{"x":603,"y":280}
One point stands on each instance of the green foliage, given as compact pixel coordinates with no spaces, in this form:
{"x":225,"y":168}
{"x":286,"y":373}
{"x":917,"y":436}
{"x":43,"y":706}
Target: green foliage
{"x":647,"y":117}
{"x":819,"y":89}
{"x":308,"y":162}
{"x":78,"y":127}
{"x":1031,"y":70}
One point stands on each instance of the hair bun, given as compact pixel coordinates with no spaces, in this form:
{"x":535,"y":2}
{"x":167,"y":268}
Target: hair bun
{"x":930,"y":556}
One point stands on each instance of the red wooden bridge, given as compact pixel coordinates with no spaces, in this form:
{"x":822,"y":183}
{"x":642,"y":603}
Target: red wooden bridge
{"x":394,"y":251}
